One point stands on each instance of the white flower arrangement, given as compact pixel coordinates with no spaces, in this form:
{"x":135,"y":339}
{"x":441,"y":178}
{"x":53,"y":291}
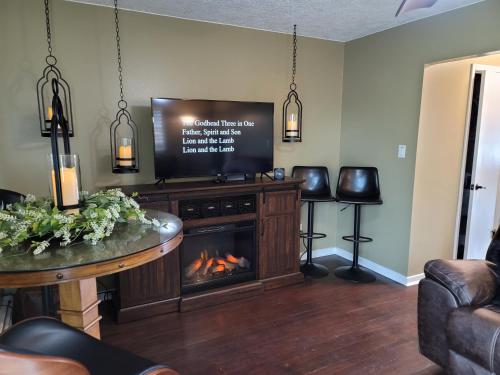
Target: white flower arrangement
{"x":37,"y":222}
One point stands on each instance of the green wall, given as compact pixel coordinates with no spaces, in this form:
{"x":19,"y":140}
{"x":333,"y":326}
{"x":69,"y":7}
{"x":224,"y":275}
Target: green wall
{"x":371,"y":86}
{"x":381,"y":103}
{"x":163,"y":57}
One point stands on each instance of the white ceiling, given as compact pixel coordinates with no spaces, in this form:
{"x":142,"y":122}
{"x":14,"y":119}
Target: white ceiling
{"x":339,"y":20}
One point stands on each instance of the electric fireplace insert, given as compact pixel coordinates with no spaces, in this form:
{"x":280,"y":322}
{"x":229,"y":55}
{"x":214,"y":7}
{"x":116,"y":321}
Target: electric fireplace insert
{"x":218,"y":255}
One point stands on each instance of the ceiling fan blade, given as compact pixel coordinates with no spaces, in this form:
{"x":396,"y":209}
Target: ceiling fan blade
{"x":408,"y":5}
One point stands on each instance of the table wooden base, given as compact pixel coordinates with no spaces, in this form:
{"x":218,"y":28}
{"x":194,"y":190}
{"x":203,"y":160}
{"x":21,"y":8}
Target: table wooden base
{"x":79,"y":305}
{"x":75,"y":269}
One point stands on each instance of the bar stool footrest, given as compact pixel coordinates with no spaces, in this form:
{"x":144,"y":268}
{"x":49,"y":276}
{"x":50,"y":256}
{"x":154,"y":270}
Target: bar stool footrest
{"x":362,"y":239}
{"x":314,"y":236}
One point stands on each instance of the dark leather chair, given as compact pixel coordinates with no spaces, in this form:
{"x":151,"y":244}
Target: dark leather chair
{"x":459,"y":313}
{"x":314,"y":189}
{"x":9,"y":197}
{"x":52,"y":347}
{"x":358,"y":186}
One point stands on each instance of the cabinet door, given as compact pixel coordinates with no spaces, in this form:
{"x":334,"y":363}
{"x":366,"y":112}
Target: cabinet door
{"x":155,"y":281}
{"x":279,"y":234}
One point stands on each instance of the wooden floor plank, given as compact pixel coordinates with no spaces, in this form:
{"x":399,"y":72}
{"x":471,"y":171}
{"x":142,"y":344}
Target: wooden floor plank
{"x":325,"y":326}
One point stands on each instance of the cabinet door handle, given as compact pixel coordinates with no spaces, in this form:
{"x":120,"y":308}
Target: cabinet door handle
{"x":262,"y":228}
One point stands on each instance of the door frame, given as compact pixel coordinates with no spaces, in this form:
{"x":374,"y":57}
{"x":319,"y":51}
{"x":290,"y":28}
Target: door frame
{"x":475,"y":69}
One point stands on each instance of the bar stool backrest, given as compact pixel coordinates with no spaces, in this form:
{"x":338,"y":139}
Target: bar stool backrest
{"x":358,"y":182}
{"x":316,"y":181}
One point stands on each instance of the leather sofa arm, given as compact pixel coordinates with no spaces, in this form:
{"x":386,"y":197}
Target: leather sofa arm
{"x":20,"y":363}
{"x":472,"y":282}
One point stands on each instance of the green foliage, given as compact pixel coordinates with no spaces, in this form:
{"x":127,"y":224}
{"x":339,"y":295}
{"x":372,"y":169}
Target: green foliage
{"x":36,"y":222}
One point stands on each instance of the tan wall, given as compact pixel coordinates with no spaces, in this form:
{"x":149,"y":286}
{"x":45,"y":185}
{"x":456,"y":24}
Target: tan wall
{"x":162,"y":57}
{"x":442,"y":125}
{"x":381,"y":104}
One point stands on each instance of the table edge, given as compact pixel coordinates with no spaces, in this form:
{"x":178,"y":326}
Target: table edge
{"x":24,"y":279}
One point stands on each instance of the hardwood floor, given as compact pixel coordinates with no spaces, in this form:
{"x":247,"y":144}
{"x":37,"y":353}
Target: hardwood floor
{"x":326,"y":326}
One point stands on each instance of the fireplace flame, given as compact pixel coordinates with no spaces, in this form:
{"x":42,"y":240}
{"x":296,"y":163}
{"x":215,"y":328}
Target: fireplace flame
{"x":209,"y":263}
{"x":194,"y":267}
{"x":205,"y":266}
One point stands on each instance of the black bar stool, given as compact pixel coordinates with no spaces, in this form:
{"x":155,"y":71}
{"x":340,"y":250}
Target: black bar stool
{"x":315,"y":189}
{"x":358,"y":186}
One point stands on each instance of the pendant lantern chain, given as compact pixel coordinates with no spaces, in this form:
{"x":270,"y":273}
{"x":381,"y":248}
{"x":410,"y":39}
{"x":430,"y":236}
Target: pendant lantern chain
{"x":293,"y":86}
{"x":47,"y":24}
{"x":122,"y":103}
{"x":50,"y":59}
{"x":123,"y":130}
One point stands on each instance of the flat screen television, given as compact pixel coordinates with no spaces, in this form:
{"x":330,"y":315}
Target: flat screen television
{"x":210,"y":138}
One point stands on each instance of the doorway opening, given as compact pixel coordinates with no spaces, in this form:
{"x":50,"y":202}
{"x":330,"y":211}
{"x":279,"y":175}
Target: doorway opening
{"x":477,"y":214}
{"x":458,"y":97}
{"x":469,"y":160}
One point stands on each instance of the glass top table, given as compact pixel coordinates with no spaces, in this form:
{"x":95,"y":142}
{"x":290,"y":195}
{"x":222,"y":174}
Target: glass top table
{"x":127,"y":239}
{"x":75,"y":268}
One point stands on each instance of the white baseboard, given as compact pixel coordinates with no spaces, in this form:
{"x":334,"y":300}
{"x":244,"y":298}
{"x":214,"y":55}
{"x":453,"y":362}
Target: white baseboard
{"x":415,"y":279}
{"x":375,"y":267}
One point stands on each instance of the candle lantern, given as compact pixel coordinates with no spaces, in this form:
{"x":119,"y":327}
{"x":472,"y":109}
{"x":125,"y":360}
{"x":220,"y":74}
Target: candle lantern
{"x":292,"y":117}
{"x":123,"y":132}
{"x":65,"y":182}
{"x":44,"y":90}
{"x":292,"y":107}
{"x":123,"y":137}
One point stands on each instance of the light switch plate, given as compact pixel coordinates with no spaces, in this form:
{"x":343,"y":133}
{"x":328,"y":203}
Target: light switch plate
{"x":402,"y":151}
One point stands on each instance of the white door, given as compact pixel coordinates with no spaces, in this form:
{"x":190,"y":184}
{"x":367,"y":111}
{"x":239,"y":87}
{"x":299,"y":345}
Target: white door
{"x":486,"y":168}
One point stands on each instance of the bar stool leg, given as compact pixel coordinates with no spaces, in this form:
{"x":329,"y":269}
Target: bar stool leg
{"x":355,"y":246}
{"x":354,"y":273}
{"x":308,"y":268}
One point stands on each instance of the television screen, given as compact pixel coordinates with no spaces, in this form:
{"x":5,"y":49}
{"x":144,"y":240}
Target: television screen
{"x":207,"y":137}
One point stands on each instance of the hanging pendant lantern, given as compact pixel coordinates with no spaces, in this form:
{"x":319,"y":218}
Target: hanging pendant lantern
{"x":44,"y":90}
{"x":64,"y":176}
{"x":123,"y":131}
{"x":292,"y":107}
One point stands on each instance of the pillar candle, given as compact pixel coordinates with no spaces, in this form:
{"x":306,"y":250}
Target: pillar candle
{"x":125,"y":152}
{"x":69,"y":187}
{"x":292,"y":126}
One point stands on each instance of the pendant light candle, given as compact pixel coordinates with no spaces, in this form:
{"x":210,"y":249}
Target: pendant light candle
{"x":292,"y":107}
{"x":125,"y":153}
{"x":69,"y":173}
{"x":292,"y":124}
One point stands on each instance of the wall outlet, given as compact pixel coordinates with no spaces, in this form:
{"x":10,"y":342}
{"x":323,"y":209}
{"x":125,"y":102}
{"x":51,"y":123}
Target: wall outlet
{"x":401,"y":151}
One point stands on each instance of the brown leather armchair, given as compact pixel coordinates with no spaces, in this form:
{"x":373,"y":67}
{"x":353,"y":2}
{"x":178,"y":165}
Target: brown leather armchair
{"x":459,"y":314}
{"x":46,"y":346}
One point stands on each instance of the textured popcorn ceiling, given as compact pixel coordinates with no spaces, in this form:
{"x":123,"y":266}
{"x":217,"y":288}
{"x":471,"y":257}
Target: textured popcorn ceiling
{"x":339,"y":20}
